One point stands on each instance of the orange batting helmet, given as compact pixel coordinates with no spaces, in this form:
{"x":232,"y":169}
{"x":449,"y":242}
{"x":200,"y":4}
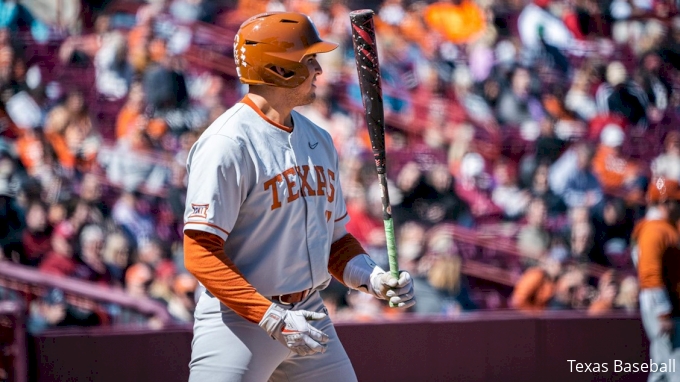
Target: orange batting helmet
{"x":662,"y":189}
{"x":269,"y":47}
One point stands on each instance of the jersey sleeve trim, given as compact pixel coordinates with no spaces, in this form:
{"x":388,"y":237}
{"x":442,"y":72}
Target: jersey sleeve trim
{"x":246,"y":100}
{"x":341,"y":217}
{"x":209,"y":225}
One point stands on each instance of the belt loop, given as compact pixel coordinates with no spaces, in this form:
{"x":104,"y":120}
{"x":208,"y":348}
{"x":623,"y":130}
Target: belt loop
{"x":283,"y":303}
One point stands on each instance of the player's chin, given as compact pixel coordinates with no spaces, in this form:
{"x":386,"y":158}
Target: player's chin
{"x":311,"y":97}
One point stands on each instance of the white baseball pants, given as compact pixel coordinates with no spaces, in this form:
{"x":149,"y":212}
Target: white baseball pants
{"x":228,"y":348}
{"x":662,"y":347}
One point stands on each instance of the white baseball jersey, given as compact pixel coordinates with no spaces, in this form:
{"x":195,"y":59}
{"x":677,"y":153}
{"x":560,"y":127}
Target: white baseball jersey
{"x":272,"y":193}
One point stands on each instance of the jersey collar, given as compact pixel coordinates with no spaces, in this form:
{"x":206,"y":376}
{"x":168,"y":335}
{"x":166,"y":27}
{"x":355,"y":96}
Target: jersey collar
{"x":246,"y":100}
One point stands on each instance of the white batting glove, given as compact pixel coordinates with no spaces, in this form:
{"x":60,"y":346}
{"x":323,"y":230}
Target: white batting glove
{"x":399,"y":292}
{"x":293,"y":330}
{"x":362,"y":273}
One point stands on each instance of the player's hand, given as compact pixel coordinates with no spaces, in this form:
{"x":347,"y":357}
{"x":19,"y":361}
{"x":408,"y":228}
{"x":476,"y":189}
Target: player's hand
{"x":293,"y":330}
{"x":398,"y":291}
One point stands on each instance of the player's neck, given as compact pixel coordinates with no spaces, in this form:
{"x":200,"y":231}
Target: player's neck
{"x":277,"y":111}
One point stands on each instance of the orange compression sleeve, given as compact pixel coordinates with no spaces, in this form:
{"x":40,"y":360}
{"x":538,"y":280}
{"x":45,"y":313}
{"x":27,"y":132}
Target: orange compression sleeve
{"x":342,"y":251}
{"x":204,"y":257}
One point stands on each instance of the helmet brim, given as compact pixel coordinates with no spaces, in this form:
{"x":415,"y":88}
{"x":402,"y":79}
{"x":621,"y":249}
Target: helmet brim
{"x":297,"y":56}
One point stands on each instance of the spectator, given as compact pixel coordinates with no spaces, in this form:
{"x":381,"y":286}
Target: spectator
{"x":70,"y":130}
{"x":92,"y":266}
{"x":613,"y":225}
{"x":53,"y":311}
{"x":91,"y":196}
{"x":138,"y":280}
{"x":128,"y":214}
{"x":507,"y":194}
{"x":190,"y":11}
{"x":547,"y":148}
{"x":81,"y":49}
{"x":516,"y":104}
{"x":113,"y":73}
{"x":539,"y":188}
{"x":11,"y":212}
{"x":627,"y":298}
{"x":473,"y":187}
{"x":444,"y":289}
{"x":657,"y":88}
{"x":153,"y":253}
{"x":36,"y":236}
{"x":582,"y":187}
{"x":535,"y":17}
{"x":181,"y":303}
{"x":581,"y":243}
{"x":61,"y":261}
{"x":476,"y":108}
{"x":34,"y":152}
{"x":536,"y":288}
{"x":614,"y":172}
{"x":607,"y":291}
{"x":136,"y":133}
{"x":667,"y":164}
{"x":411,"y":246}
{"x":533,"y":239}
{"x":571,"y":291}
{"x":620,"y":95}
{"x":165,"y":86}
{"x":116,"y":256}
{"x":578,"y":99}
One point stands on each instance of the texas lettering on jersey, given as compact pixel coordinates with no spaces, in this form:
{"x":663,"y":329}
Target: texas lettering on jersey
{"x":299,"y":182}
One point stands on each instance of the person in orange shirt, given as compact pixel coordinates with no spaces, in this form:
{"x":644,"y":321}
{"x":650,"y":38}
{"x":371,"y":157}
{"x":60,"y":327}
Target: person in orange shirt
{"x":69,"y":130}
{"x":607,"y":290}
{"x":134,"y":126}
{"x":536,"y":288}
{"x":615,"y":172}
{"x":656,"y":254}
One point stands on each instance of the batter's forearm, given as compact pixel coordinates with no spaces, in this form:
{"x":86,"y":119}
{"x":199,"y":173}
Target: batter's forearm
{"x":343,"y":251}
{"x":204,"y":258}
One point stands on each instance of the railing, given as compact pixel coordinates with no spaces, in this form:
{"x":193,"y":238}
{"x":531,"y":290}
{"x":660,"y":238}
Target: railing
{"x":13,"y":354}
{"x":113,"y":306}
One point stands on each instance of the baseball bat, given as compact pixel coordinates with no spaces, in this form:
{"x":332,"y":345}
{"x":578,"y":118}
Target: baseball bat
{"x":368,"y":68}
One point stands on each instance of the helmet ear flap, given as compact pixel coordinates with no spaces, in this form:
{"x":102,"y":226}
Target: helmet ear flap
{"x":290,"y":76}
{"x":280,"y":71}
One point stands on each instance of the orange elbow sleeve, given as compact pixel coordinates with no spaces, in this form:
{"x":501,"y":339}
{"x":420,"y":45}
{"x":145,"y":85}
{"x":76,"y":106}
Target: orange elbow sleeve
{"x":204,"y":257}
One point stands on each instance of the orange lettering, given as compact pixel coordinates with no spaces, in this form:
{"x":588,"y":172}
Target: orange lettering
{"x":331,"y":193}
{"x":290,"y":184}
{"x":305,"y":185}
{"x":271,"y":183}
{"x":320,"y":181}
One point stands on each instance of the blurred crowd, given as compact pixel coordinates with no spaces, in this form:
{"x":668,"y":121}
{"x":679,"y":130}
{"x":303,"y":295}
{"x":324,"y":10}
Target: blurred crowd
{"x":535,"y":123}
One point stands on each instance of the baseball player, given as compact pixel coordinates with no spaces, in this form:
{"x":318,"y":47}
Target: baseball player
{"x":657,"y":257}
{"x":265,"y":222}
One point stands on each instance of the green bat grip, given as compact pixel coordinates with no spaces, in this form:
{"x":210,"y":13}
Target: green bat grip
{"x":391,"y":250}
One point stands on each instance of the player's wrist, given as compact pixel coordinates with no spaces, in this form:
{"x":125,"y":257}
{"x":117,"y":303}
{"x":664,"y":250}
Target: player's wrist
{"x":361,"y":274}
{"x":273,"y":320}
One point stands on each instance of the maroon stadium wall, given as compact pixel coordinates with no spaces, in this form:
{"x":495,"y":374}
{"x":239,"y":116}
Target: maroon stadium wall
{"x":482,"y":347}
{"x":13,"y":355}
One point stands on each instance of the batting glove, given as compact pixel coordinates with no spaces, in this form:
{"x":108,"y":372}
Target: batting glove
{"x":293,"y":330}
{"x":363,"y":274}
{"x":399,"y":292}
